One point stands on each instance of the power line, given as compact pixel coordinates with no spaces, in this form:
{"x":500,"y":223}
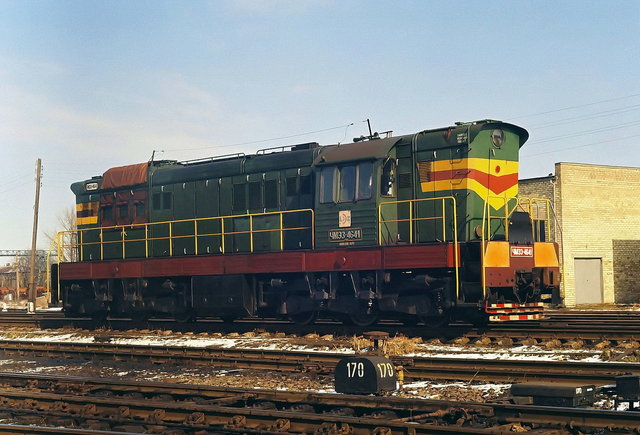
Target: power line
{"x":574,"y":107}
{"x":571,"y":120}
{"x":260,"y":141}
{"x":582,"y":133}
{"x":582,"y":146}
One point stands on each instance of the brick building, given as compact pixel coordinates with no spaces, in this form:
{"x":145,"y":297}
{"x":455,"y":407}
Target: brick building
{"x":598,"y":228}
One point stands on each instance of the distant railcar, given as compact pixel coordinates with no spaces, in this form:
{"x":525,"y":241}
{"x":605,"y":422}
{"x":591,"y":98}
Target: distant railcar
{"x":423,"y":227}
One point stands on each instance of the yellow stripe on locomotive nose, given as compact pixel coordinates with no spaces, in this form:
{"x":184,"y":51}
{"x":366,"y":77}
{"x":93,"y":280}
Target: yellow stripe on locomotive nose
{"x":87,"y":213}
{"x":91,"y":206}
{"x":89,"y":220}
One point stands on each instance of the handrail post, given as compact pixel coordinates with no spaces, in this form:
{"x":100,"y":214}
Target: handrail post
{"x":483,"y":248}
{"x":123,"y":244}
{"x":81,"y":245}
{"x":250,"y":233}
{"x":281,"y":230}
{"x":444,"y":217}
{"x":222,"y":234}
{"x":146,"y":240}
{"x":101,"y":244}
{"x":170,"y":239}
{"x":313,"y":229}
{"x":456,"y":250}
{"x":506,"y":218}
{"x":380,"y":224}
{"x":195,"y":236}
{"x":411,"y":222}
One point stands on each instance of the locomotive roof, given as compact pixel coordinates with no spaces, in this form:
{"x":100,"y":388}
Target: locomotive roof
{"x":371,"y":149}
{"x":166,"y":172}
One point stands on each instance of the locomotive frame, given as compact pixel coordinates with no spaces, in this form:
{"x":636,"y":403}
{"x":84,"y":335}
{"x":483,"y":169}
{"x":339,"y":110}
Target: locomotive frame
{"x":421,"y":227}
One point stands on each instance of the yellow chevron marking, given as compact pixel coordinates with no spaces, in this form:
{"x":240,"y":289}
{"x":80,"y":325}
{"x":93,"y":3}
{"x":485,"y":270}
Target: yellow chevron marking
{"x":494,"y":199}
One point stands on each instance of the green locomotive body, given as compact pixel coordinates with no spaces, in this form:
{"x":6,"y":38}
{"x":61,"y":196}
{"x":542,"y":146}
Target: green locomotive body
{"x":420,"y":227}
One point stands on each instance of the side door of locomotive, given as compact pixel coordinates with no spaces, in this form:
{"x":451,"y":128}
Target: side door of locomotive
{"x":346,"y":212}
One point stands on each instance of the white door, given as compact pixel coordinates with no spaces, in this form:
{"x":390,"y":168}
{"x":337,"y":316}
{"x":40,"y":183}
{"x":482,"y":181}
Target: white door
{"x":588,"y":280}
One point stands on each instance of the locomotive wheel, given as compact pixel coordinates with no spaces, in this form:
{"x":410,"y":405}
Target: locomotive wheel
{"x":363,"y":315}
{"x":305,"y":318}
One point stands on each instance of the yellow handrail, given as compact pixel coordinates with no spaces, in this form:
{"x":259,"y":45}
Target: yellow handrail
{"x":411,"y":219}
{"x":524,"y":204}
{"x":79,"y":242}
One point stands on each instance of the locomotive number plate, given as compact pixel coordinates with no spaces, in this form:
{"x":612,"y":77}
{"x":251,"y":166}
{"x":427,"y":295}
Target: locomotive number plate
{"x":341,"y":235}
{"x":522,"y":251}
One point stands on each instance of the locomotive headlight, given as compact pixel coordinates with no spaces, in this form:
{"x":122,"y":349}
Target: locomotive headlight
{"x":497,"y":138}
{"x":91,"y":186}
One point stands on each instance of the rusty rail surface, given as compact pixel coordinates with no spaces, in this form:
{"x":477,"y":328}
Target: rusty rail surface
{"x":324,"y":362}
{"x":160,"y":407}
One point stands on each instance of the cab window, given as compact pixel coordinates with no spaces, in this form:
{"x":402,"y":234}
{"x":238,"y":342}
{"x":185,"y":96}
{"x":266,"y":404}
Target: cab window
{"x":327,"y":177}
{"x":365,"y":180}
{"x":388,"y":178}
{"x":347,"y":184}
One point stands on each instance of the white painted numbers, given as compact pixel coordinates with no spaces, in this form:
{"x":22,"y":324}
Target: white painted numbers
{"x":386,"y":370}
{"x":356,"y":370}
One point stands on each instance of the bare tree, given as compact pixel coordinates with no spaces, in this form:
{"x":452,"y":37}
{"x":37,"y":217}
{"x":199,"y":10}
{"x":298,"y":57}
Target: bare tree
{"x":65,"y":238}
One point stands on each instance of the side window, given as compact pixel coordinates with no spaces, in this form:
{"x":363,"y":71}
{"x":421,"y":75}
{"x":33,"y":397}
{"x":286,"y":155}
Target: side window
{"x":107,"y":215}
{"x":166,"y":201}
{"x":326,"y":184}
{"x":239,"y":198}
{"x":388,"y":178}
{"x":292,"y":186}
{"x":123,"y":211}
{"x":255,"y":195}
{"x":305,"y":184}
{"x":271,"y":194}
{"x":365,"y":180}
{"x":107,"y":218}
{"x":347,"y":184}
{"x":140,"y":210}
{"x":157,"y":204}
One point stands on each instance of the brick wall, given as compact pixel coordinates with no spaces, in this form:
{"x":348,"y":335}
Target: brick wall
{"x":541,"y":188}
{"x":599,"y":215}
{"x":596,"y":205}
{"x":626,"y":264}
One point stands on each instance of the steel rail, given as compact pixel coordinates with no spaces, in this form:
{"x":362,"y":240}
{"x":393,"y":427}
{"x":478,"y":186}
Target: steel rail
{"x":21,"y":429}
{"x":296,"y":409}
{"x":324,"y":362}
{"x":592,"y":330}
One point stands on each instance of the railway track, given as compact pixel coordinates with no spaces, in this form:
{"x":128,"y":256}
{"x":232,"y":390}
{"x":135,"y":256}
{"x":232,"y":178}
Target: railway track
{"x":417,"y":368}
{"x":147,"y":407}
{"x":589,"y":326}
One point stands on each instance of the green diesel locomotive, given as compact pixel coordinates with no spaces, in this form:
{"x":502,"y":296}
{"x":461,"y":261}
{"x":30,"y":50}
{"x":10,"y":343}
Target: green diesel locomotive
{"x":423,"y":227}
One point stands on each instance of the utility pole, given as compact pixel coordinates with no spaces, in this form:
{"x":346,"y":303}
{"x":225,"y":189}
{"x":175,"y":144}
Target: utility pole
{"x":31,"y":306}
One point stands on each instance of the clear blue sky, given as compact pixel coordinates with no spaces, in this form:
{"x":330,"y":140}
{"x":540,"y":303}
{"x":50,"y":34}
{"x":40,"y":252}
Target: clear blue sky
{"x":87,"y":85}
